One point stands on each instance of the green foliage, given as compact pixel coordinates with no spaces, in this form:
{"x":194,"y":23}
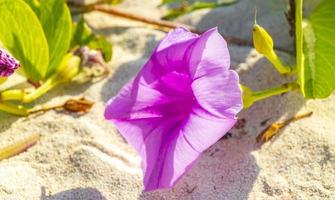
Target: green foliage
{"x":83,"y":36}
{"x":169,"y":1}
{"x":188,"y":6}
{"x":102,"y":44}
{"x":55,"y":18}
{"x":38,"y":42}
{"x":22,"y":34}
{"x":317,"y":75}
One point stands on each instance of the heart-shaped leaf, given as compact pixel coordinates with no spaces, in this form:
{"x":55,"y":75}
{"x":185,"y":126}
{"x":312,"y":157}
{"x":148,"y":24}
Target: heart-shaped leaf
{"x":55,"y":18}
{"x":317,"y":76}
{"x":22,"y":34}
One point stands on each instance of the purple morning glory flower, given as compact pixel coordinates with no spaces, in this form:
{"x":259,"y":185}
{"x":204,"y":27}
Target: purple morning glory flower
{"x":8,"y":64}
{"x":182,"y":101}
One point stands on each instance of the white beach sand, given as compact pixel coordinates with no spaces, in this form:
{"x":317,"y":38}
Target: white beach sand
{"x":85,"y":158}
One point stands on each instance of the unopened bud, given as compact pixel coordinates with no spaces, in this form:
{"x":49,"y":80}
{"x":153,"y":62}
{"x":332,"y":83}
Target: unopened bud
{"x":262,"y":40}
{"x":69,"y":68}
{"x":263,"y":43}
{"x":8,"y":64}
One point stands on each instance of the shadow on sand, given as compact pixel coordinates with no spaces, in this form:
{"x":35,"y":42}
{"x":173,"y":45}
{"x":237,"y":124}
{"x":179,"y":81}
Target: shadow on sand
{"x":75,"y":194}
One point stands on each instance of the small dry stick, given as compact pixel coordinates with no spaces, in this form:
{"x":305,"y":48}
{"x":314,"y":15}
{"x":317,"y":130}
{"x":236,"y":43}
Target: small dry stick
{"x":117,"y":12}
{"x":161,"y":24}
{"x":18,"y":147}
{"x":274,"y":128}
{"x":80,"y":106}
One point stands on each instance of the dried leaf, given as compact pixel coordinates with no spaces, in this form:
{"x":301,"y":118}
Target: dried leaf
{"x":274,"y":128}
{"x":78,"y":106}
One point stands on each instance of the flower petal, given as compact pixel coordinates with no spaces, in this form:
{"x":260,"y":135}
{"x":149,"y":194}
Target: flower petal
{"x":175,"y":36}
{"x":209,"y":53}
{"x":170,"y":53}
{"x":172,"y":145}
{"x":140,"y":99}
{"x":169,"y":146}
{"x":133,"y":102}
{"x":183,"y":100}
{"x":219,"y":94}
{"x":202,"y":129}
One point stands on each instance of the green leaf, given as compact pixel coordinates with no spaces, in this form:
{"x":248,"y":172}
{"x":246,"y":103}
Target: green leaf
{"x":317,"y":75}
{"x":83,"y":36}
{"x":102,"y":44}
{"x":22,"y":35}
{"x":34,"y":4}
{"x":56,"y":21}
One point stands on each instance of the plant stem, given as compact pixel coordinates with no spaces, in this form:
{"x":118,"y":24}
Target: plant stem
{"x":14,"y":109}
{"x":21,"y":95}
{"x":44,"y":88}
{"x":275,"y":60}
{"x":69,"y":67}
{"x":299,"y":40}
{"x":260,"y":95}
{"x":14,"y":94}
{"x":290,"y":16}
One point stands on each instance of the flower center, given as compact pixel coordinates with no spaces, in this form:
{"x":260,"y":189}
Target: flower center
{"x":177,"y":86}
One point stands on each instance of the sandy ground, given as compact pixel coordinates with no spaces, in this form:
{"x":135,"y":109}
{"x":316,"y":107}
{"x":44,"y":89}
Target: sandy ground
{"x":84,"y":157}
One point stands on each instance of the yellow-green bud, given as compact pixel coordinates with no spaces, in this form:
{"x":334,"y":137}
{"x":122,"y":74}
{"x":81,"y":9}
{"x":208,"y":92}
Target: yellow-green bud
{"x":263,"y":42}
{"x":69,"y":68}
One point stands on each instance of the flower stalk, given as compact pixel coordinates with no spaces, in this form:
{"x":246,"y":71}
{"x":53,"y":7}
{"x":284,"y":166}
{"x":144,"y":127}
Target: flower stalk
{"x":299,"y":42}
{"x":250,"y":97}
{"x":14,"y":109}
{"x":12,"y":95}
{"x":68,"y":69}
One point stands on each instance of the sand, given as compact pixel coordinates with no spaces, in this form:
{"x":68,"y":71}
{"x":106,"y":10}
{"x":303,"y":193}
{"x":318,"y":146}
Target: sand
{"x":84,"y":157}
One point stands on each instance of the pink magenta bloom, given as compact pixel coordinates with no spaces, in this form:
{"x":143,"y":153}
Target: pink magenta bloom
{"x":8,"y":64}
{"x":182,"y":101}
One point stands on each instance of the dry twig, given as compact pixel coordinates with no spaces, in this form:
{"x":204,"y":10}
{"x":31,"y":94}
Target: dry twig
{"x":18,"y":147}
{"x":274,"y":128}
{"x":80,"y":106}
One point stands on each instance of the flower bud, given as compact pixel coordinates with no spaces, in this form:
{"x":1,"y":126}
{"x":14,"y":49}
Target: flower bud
{"x":8,"y":64}
{"x":68,"y":69}
{"x":263,"y":43}
{"x":262,"y":40}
